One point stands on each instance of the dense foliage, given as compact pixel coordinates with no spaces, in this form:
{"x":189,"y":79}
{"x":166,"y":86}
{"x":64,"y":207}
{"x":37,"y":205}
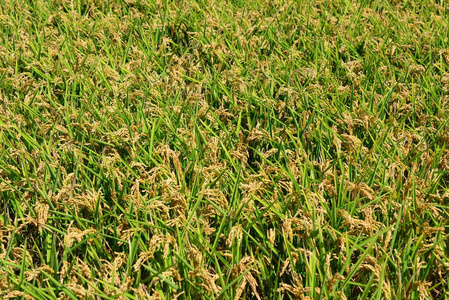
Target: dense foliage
{"x":224,"y":149}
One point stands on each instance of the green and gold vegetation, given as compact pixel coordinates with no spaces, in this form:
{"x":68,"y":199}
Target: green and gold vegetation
{"x":224,"y":149}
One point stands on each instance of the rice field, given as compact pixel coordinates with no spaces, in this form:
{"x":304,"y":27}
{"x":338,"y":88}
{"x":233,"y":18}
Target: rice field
{"x":205,"y":149}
